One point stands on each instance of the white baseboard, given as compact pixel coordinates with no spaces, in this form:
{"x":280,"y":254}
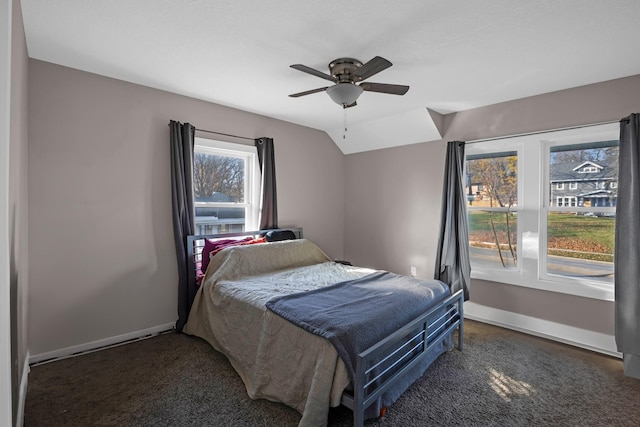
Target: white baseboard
{"x":22,"y":393}
{"x":590,"y":340}
{"x":99,"y":344}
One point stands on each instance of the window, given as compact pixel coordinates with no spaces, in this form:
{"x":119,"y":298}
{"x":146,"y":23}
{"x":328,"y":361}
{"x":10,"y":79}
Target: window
{"x":226,"y":187}
{"x":589,"y":169}
{"x":529,"y":229}
{"x":566,"y":201}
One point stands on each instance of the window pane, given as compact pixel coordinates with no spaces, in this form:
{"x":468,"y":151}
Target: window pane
{"x":492,"y":181}
{"x":581,"y":244}
{"x":218,"y":178}
{"x":493,"y":239}
{"x":216,"y":220}
{"x":591,"y":169}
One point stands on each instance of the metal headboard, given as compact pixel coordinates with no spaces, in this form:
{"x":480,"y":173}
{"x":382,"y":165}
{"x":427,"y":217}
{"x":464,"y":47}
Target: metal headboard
{"x":195,"y":244}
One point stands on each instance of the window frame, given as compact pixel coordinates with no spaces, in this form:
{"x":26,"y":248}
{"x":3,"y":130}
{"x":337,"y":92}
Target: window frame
{"x":533,"y":208}
{"x":252,"y":177}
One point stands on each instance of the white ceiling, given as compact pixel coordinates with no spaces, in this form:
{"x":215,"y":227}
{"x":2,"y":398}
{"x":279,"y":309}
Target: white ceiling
{"x":454,"y":54}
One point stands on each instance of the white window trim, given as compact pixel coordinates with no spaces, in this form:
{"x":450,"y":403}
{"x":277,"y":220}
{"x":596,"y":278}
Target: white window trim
{"x":533,"y":207}
{"x":252,"y":176}
{"x":573,"y":185}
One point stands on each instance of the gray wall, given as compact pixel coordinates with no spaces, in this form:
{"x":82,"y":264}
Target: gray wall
{"x":6,"y":320}
{"x":392,"y":210}
{"x":18,"y":268}
{"x":100,"y":231}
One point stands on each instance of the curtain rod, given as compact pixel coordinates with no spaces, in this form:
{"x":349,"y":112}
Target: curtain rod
{"x":226,"y":134}
{"x":497,"y":138}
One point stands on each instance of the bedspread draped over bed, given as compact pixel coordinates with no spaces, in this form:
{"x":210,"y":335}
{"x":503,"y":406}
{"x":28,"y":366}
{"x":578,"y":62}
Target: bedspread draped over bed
{"x":354,"y":315}
{"x":275,"y":359}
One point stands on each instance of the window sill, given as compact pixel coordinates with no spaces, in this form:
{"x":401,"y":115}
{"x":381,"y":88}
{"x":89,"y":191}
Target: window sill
{"x":580,"y":288}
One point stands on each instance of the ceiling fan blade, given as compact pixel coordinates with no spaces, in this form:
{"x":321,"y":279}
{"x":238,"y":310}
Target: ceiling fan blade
{"x":372,"y":67}
{"x":313,"y":72}
{"x":308,"y":92}
{"x":385,"y":88}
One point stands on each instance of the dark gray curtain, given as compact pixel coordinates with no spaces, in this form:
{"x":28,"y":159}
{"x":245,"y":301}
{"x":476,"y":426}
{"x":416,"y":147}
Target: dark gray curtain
{"x":182,"y":141}
{"x":452,"y":255}
{"x":266,"y":157}
{"x":627,"y":247}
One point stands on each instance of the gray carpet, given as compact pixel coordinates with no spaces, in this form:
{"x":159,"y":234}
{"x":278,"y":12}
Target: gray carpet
{"x":502,"y":378}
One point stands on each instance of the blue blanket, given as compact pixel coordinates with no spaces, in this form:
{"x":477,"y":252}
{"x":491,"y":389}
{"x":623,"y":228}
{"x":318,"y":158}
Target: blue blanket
{"x":356,"y":314}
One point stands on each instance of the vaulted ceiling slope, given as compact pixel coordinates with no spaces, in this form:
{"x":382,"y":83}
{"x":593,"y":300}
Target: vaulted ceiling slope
{"x":454,"y":54}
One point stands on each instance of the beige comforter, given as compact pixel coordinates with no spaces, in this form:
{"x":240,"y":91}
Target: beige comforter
{"x":276,"y":359}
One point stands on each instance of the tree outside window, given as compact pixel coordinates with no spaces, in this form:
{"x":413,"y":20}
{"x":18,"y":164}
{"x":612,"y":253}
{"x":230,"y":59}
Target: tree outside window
{"x":493,"y":222}
{"x":218,"y":174}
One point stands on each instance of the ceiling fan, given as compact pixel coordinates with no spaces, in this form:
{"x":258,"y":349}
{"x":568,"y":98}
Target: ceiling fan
{"x":346,"y":73}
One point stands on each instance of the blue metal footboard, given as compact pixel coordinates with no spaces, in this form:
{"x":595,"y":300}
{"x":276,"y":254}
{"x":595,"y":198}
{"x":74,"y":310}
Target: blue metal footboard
{"x":382,"y":365}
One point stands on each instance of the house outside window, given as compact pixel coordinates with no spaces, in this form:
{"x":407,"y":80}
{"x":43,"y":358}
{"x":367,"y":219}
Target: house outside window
{"x":545,"y":234}
{"x":226,"y":186}
{"x":596,"y":180}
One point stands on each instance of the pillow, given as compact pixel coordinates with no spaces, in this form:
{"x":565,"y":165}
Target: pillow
{"x":216,"y":246}
{"x":212,"y":247}
{"x":278,"y":235}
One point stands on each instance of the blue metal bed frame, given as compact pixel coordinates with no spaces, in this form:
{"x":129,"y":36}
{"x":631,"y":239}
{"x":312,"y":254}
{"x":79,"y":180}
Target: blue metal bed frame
{"x":382,"y":365}
{"x":397,"y":354}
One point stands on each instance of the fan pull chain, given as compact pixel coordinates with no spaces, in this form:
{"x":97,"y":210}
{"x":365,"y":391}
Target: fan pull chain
{"x":344,"y":135}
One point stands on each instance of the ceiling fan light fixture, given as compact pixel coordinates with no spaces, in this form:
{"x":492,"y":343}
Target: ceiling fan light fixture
{"x":344,"y":93}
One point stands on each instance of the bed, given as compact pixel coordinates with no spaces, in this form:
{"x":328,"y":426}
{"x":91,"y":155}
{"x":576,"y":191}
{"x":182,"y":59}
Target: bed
{"x":239,"y":305}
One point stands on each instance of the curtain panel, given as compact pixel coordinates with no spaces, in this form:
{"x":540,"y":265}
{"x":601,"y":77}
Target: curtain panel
{"x":627,"y":247}
{"x":452,"y":256}
{"x":182,"y":142}
{"x":269,"y":204}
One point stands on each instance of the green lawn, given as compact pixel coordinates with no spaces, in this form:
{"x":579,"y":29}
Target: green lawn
{"x":572,"y":235}
{"x":590,"y":229}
